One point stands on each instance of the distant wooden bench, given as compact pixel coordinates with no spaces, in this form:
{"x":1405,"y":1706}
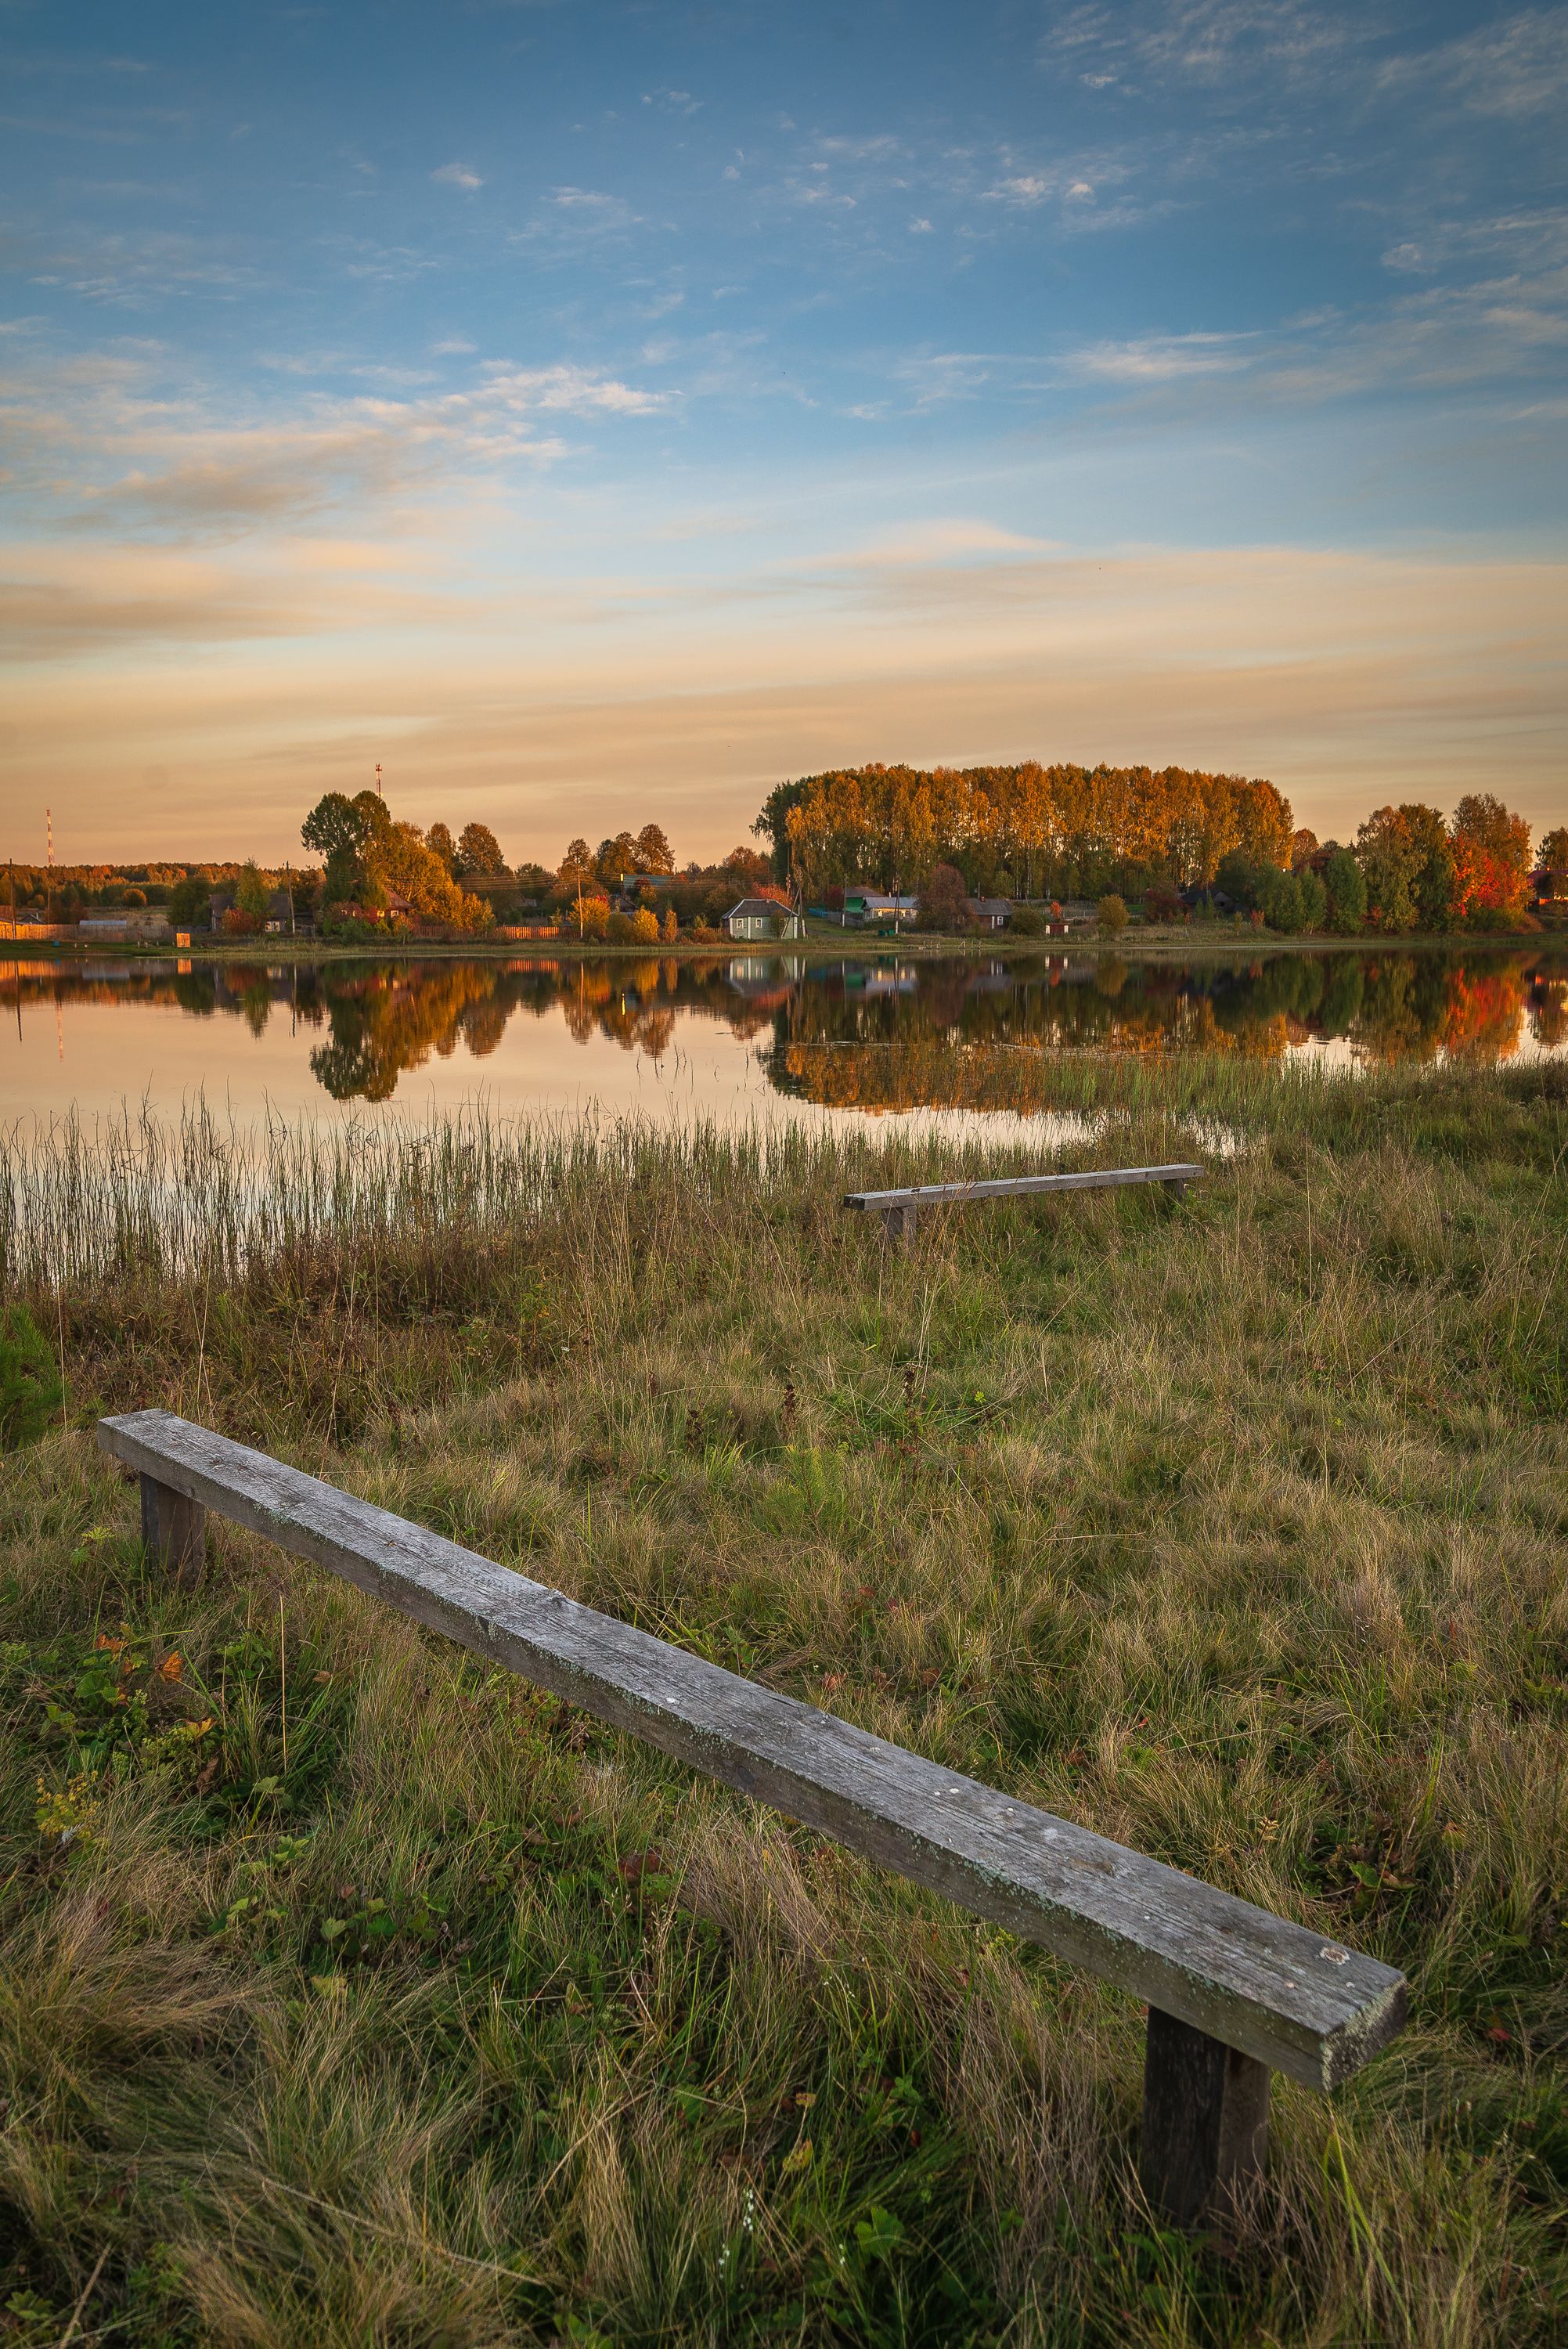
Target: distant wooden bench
{"x":1232,"y":1991}
{"x":898,"y":1209}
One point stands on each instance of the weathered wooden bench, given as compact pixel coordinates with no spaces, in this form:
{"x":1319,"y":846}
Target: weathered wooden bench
{"x":898,"y":1209}
{"x":1233,"y":1993}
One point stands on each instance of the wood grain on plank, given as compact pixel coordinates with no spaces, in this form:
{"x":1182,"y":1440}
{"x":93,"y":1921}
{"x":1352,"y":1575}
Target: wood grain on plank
{"x":1260,"y":1984}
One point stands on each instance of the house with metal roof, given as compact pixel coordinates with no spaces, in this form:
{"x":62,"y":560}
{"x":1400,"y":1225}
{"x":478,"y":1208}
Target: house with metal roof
{"x":879,"y":905}
{"x":762,"y":917}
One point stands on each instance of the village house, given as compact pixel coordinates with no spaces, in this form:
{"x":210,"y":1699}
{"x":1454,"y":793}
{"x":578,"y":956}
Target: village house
{"x":286,"y":918}
{"x":762,"y":917}
{"x":879,"y":905}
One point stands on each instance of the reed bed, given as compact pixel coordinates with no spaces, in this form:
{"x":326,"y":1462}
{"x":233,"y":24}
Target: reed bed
{"x":351,"y":1993}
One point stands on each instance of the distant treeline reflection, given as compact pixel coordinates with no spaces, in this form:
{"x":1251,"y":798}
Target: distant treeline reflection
{"x":894,"y":1035}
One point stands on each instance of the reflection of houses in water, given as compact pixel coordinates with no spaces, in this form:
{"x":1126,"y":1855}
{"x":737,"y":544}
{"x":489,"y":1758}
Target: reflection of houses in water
{"x":956,"y":1032}
{"x":754,"y":978}
{"x":764,"y":989}
{"x":870,"y":982}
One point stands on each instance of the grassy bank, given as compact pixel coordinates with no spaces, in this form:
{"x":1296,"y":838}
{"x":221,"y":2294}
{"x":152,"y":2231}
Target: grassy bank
{"x":352,"y":1994}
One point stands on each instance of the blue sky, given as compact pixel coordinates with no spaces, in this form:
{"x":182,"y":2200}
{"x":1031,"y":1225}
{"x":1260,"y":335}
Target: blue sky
{"x":595,"y":410}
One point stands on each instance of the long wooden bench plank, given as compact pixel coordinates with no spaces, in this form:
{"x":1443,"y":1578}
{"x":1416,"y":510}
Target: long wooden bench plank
{"x":1275,"y":1989}
{"x":1016,"y":1186}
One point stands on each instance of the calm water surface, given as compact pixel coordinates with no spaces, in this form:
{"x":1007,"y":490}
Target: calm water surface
{"x":729,"y":1037}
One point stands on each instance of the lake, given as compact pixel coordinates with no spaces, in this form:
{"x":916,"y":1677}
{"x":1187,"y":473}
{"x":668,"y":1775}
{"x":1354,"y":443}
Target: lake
{"x":728,"y":1036}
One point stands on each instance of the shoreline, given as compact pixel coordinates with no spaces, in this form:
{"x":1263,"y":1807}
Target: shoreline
{"x":1161,"y":942}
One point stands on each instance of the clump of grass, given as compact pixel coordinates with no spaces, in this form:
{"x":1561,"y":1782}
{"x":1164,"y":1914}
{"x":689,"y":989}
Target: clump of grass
{"x":352,"y":1991}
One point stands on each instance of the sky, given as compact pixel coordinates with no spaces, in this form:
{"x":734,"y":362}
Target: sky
{"x":596,"y":412}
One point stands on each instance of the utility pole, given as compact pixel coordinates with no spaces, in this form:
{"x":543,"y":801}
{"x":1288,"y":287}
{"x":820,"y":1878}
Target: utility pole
{"x":288,"y":883}
{"x":380,"y":792}
{"x":50,"y":835}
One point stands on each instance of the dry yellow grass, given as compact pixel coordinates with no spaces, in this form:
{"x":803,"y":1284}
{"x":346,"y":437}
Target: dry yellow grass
{"x":1237,"y":1531}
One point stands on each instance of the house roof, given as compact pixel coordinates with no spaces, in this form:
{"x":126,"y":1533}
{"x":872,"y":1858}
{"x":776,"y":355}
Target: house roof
{"x":750,"y":907}
{"x":990,"y":905}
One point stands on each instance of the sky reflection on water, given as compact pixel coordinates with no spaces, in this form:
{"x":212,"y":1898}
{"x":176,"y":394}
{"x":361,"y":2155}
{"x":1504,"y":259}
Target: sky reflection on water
{"x":733,"y":1038}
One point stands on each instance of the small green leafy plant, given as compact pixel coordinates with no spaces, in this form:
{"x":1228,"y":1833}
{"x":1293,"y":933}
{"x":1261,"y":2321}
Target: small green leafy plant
{"x":32,"y":1394}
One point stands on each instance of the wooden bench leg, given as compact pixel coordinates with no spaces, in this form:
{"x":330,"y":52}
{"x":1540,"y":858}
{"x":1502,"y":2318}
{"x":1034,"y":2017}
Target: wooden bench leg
{"x":173,"y":1529}
{"x":1205,"y":2123}
{"x":899,"y":1224}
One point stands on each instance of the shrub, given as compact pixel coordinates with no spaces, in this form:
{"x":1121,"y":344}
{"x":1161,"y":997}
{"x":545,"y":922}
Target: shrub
{"x":1026,"y":921}
{"x":620,"y":930}
{"x":1112,"y":914}
{"x":945,"y":900}
{"x":1162,"y":902}
{"x":1279,"y":900}
{"x":252,"y":895}
{"x":238,"y":924}
{"x":1238,"y":877}
{"x":669,"y":926}
{"x":31,"y":1394}
{"x":1346,"y":885}
{"x":645,"y":926}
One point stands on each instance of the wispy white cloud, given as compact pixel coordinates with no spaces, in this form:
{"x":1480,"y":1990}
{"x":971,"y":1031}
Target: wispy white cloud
{"x":575,"y":220}
{"x":571,"y":390}
{"x":1157,"y":358}
{"x":1515,"y":68}
{"x":869,"y":146}
{"x":104,"y":125}
{"x":457,"y":175}
{"x":1494,"y":334}
{"x":1214,"y":42}
{"x":136,"y":268}
{"x":114,"y":453}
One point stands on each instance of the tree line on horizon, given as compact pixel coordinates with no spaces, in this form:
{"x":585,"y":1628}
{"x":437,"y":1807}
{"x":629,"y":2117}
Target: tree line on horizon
{"x":1160,"y":839}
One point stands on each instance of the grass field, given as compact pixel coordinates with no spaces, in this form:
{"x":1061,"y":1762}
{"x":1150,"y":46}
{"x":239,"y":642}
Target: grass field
{"x":352,"y":1995}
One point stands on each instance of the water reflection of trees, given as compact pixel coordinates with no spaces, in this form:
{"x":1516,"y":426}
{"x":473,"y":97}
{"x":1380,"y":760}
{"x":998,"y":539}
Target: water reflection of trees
{"x":868,"y":1035}
{"x":967,"y":1043}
